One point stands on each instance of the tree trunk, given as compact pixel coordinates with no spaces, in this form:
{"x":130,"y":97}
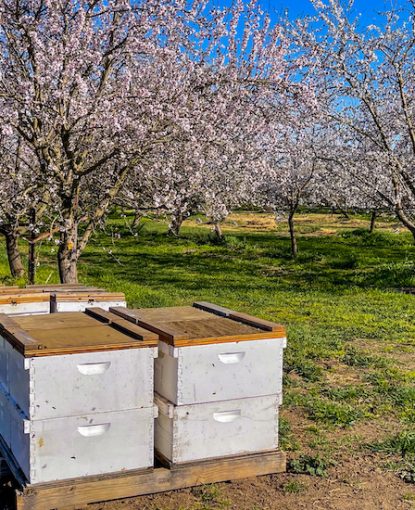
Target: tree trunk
{"x":218,"y":230}
{"x":344,"y":213}
{"x":13,"y":254}
{"x":175,"y":224}
{"x":137,"y":220}
{"x":68,"y":254}
{"x":373,"y":217}
{"x":31,"y":263}
{"x":294,"y":247}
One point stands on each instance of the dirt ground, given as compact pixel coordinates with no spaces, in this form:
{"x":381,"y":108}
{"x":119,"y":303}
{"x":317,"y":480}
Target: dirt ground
{"x":358,"y":481}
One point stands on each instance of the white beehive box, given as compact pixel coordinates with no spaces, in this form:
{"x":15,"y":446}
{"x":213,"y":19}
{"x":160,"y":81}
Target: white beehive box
{"x":79,"y":301}
{"x":209,"y":373}
{"x":204,"y":357}
{"x":216,"y":429}
{"x":218,"y":380}
{"x":78,"y":393}
{"x":77,"y":446}
{"x":94,"y":366}
{"x":21,"y":302}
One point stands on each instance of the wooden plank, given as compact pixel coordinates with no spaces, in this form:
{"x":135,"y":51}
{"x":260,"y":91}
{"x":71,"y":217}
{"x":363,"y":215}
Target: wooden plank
{"x":19,"y":298}
{"x":256,"y":322}
{"x":56,"y":320}
{"x":120,"y":324}
{"x":130,"y":484}
{"x":70,"y":340}
{"x":19,"y":338}
{"x":63,"y":287}
{"x":88,"y":296}
{"x":70,"y":333}
{"x":171,"y":313}
{"x":133,"y":330}
{"x":166,"y":333}
{"x":187,"y":326}
{"x":212,"y":308}
{"x":99,"y":313}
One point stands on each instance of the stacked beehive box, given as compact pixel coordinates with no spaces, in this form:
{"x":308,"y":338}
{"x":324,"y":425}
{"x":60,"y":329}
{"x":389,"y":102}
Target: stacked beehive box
{"x":17,"y":301}
{"x":42,"y":299}
{"x":76,"y":394}
{"x":218,"y":381}
{"x":79,"y":300}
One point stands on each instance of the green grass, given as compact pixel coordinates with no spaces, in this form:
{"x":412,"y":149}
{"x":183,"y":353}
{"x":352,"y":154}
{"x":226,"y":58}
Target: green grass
{"x":339,"y":299}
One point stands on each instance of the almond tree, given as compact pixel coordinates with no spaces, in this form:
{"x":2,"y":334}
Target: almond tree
{"x":231,"y":75}
{"x":21,"y":197}
{"x":370,"y":98}
{"x":90,"y":87}
{"x":94,"y":87}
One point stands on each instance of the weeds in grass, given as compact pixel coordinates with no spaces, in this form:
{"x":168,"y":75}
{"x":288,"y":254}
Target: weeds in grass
{"x":358,"y":358}
{"x":402,"y":444}
{"x":397,"y":388}
{"x":210,"y":497}
{"x":287,"y":440}
{"x":293,"y":487}
{"x":333,"y":413}
{"x":308,"y":465}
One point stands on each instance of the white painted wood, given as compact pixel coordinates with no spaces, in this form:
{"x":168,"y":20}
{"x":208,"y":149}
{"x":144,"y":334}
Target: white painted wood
{"x":81,"y":306}
{"x":217,"y":372}
{"x":70,"y":385}
{"x":49,"y":450}
{"x":38,"y":308}
{"x":5,"y":417}
{"x":3,"y":362}
{"x":217,"y":429}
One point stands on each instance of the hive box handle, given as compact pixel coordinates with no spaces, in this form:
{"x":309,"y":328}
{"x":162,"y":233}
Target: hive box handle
{"x":227,"y":416}
{"x":94,"y":368}
{"x":230,"y":358}
{"x":94,"y":430}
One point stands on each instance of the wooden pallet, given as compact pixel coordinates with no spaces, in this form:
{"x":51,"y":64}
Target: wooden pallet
{"x":77,"y":493}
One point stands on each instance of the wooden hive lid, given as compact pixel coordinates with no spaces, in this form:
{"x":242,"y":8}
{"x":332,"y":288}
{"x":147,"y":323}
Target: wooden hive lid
{"x":16,"y":298}
{"x":73,"y":332}
{"x":63,"y":287}
{"x":184,"y":326}
{"x":90,"y":297}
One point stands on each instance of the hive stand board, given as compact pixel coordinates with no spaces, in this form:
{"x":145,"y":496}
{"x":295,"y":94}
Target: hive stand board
{"x":80,"y":492}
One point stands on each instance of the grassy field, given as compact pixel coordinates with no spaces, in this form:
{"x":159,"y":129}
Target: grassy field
{"x":349,"y":404}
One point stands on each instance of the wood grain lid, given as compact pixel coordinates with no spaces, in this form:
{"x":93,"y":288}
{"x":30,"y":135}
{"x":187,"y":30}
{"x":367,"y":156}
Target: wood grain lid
{"x":73,"y":332}
{"x":201,"y":325}
{"x":90,"y":297}
{"x":17,"y":298}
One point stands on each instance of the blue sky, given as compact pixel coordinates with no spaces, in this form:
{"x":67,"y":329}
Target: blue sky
{"x":296,"y":8}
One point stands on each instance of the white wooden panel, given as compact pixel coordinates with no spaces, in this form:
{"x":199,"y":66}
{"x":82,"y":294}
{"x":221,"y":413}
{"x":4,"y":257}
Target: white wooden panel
{"x":69,"y":385}
{"x":5,"y":418}
{"x":218,"y":429}
{"x":48,"y":450}
{"x":18,"y":378}
{"x":216,"y":372}
{"x":25,"y":308}
{"x":3,"y":362}
{"x":81,"y":306}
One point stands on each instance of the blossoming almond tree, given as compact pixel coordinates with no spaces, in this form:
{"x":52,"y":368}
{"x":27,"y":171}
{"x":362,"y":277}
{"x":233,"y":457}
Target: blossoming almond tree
{"x":235,"y":64}
{"x":89,"y":87}
{"x":21,"y":198}
{"x":93,"y":87}
{"x":370,"y":92}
